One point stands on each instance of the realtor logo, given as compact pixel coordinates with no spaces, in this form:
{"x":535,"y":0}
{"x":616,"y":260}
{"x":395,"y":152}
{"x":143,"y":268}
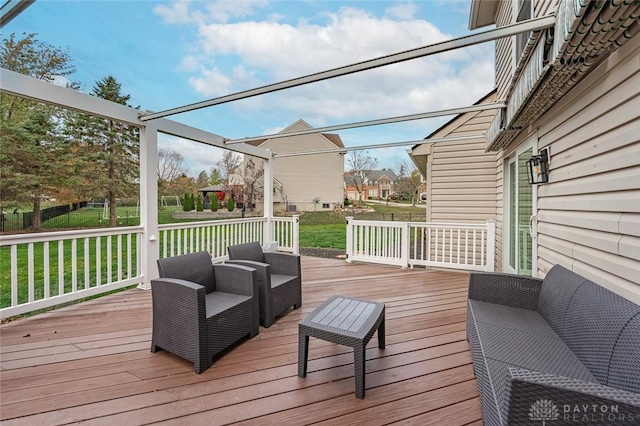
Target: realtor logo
{"x":545,"y":410}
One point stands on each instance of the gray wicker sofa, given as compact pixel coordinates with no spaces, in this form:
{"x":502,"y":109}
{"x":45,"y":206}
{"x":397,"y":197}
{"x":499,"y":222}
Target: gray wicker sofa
{"x":562,"y":350}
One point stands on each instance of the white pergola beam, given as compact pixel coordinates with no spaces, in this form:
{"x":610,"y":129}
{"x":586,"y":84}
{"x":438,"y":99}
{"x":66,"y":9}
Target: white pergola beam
{"x":191,"y":133}
{"x":23,"y":86}
{"x":380,"y":145}
{"x":456,"y":43}
{"x":31,"y":88}
{"x":12,"y":8}
{"x":390,"y":120}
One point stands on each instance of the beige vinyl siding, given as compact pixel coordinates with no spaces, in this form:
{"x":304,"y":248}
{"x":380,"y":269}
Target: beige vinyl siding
{"x":504,"y":50}
{"x":589,"y":213}
{"x":306,"y":177}
{"x":461,"y":175}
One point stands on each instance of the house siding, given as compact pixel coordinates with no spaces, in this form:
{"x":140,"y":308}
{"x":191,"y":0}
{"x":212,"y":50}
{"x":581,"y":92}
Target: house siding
{"x":460,"y":177}
{"x":589,"y":214}
{"x":307,"y":177}
{"x":504,"y":51}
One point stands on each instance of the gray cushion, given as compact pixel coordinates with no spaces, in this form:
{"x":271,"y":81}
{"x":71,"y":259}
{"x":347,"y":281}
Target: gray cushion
{"x":195,"y":267}
{"x":595,"y":318}
{"x":624,"y":371}
{"x":249,"y":251}
{"x":558,"y":287}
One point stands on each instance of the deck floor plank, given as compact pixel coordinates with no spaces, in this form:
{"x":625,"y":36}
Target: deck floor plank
{"x":90,"y":362}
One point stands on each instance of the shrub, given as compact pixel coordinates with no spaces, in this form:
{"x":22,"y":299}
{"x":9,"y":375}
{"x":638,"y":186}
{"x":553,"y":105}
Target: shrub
{"x":231,"y":204}
{"x":214,"y":204}
{"x":185,"y":202}
{"x":199,"y":203}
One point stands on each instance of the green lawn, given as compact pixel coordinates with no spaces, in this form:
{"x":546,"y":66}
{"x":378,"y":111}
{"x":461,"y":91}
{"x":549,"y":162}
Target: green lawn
{"x":317,"y":229}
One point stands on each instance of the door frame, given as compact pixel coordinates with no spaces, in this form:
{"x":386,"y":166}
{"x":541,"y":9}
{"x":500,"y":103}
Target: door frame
{"x":530,"y":143}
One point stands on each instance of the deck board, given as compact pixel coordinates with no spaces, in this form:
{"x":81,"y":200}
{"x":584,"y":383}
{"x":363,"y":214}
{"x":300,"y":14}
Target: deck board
{"x":91,"y":362}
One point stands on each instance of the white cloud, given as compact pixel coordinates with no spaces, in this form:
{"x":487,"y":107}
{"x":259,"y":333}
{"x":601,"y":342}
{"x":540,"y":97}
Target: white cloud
{"x":236,"y":56}
{"x":178,"y":13}
{"x":403,"y":10}
{"x":198,"y":156}
{"x":221,"y":11}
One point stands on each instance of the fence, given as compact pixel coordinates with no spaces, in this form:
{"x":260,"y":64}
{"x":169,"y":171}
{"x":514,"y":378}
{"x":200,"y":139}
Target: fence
{"x":47,"y":269}
{"x":215,"y":236}
{"x":458,"y":246}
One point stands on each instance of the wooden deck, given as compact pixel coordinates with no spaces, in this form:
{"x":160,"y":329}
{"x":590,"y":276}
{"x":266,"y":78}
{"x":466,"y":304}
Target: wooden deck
{"x":91,"y":362}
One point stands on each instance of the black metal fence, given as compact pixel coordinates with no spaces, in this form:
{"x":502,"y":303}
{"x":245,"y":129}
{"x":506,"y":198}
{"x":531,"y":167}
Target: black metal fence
{"x":18,"y":221}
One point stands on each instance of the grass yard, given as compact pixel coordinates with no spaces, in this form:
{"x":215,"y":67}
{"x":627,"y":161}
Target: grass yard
{"x":317,"y":230}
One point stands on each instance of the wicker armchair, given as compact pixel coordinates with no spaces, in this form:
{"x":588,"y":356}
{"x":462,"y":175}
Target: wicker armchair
{"x":199,"y":309}
{"x":278,"y":276}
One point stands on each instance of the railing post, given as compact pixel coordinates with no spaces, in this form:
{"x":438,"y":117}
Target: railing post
{"x":491,"y":245}
{"x":406,"y":246}
{"x":349,"y":239}
{"x":149,"y":246}
{"x":295,"y":231}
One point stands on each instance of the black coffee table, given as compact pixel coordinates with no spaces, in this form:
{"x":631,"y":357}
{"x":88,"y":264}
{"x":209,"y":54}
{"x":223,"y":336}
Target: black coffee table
{"x":346,"y":321}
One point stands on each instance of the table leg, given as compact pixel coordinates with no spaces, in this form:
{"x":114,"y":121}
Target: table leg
{"x":359,"y":358}
{"x":303,"y":353}
{"x":381,"y":334}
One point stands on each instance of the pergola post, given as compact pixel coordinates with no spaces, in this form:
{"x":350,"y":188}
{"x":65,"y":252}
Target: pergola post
{"x":149,"y":246}
{"x":268,"y":200}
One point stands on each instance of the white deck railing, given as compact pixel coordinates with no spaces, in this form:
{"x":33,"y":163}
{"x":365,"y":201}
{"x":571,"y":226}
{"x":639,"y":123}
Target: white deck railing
{"x":46,"y":269}
{"x":215,"y":235}
{"x":408,"y":244}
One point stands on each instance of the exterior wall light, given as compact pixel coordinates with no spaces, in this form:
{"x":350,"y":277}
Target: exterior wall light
{"x":538,"y":167}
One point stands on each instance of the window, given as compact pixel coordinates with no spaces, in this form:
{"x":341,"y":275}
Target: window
{"x":325,"y":205}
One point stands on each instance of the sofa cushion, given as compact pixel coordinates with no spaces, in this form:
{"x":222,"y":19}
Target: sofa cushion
{"x":624,"y":371}
{"x":195,"y":267}
{"x":558,"y":287}
{"x":595,"y":319}
{"x":507,"y":316}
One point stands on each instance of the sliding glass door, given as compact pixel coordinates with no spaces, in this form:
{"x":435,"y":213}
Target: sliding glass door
{"x":520,"y":221}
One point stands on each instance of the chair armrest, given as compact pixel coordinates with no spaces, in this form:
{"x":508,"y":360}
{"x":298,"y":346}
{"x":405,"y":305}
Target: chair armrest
{"x":569,"y":397}
{"x":505,"y":289}
{"x":236,"y":279}
{"x":283,"y":263}
{"x":178,"y":300}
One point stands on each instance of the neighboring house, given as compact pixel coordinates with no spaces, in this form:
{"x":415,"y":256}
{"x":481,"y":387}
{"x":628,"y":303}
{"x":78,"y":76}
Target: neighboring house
{"x":372,"y":184}
{"x":311,"y":182}
{"x":460,"y":176}
{"x":576,"y":93}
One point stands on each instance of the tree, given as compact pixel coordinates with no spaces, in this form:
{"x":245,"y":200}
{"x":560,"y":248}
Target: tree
{"x":227,"y":164}
{"x":253,"y":180}
{"x":203,"y":179}
{"x":108,"y":150}
{"x":32,"y":155}
{"x":409,"y":182}
{"x":231,"y":204}
{"x":199,"y":206}
{"x":360,"y":164}
{"x":214,"y":203}
{"x":215,"y":178}
{"x":170,"y":168}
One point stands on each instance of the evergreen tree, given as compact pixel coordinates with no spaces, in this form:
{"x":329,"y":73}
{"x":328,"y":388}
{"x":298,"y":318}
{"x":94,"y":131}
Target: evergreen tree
{"x":214,"y":202}
{"x":32,"y":155}
{"x":231,"y":205}
{"x":108,"y":151}
{"x":185,"y":202}
{"x":199,"y":203}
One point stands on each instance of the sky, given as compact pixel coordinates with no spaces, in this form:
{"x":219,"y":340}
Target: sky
{"x":171,"y":53}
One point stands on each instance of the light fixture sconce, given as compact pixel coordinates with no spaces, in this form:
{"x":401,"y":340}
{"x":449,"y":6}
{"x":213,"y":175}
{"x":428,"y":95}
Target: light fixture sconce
{"x":538,"y":167}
